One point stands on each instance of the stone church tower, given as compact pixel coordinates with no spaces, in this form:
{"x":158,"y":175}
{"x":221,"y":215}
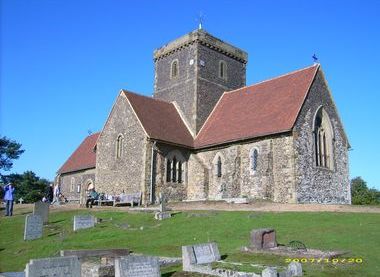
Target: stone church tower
{"x":194,"y":71}
{"x":206,"y":135}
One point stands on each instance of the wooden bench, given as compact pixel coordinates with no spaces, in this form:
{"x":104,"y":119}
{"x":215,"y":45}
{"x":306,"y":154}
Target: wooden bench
{"x":131,"y":198}
{"x":104,"y":201}
{"x":71,"y":199}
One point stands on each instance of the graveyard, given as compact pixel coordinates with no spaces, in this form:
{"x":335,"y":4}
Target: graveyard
{"x":138,"y":234}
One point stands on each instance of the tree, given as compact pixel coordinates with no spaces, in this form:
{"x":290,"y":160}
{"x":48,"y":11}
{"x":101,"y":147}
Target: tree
{"x":29,"y":186}
{"x":361,"y":195}
{"x":9,"y":150}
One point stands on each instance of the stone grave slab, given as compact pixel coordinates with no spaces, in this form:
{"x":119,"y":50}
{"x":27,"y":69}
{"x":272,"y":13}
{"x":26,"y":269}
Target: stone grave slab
{"x":162,"y":215}
{"x":263,"y":238}
{"x":42,"y":209}
{"x":269,"y":272}
{"x":33,"y":227}
{"x":84,"y":253}
{"x":83,"y":222}
{"x":57,"y":267}
{"x":12,"y":274}
{"x":136,"y":266}
{"x":294,"y":269}
{"x":199,"y":254}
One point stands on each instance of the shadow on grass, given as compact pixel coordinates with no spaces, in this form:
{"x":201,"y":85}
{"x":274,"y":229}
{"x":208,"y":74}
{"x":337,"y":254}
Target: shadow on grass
{"x":53,"y":234}
{"x":168,"y":274}
{"x":2,"y":249}
{"x":175,"y":213}
{"x":223,"y":257}
{"x":57,"y":221}
{"x":24,"y":213}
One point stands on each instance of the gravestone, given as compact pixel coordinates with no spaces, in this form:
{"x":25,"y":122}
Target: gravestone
{"x":199,"y":254}
{"x":33,"y":227}
{"x":136,"y":266}
{"x":83,"y":222}
{"x":42,"y":209}
{"x":20,"y":200}
{"x":269,"y":272}
{"x":57,"y":267}
{"x":263,"y":238}
{"x":294,"y":269}
{"x":163,"y":213}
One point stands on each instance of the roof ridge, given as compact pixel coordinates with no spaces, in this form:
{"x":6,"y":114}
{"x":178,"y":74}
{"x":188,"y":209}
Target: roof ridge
{"x":149,"y":97}
{"x":274,"y":78}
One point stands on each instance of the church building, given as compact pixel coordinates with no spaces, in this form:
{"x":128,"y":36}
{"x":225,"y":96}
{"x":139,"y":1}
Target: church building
{"x":206,"y":135}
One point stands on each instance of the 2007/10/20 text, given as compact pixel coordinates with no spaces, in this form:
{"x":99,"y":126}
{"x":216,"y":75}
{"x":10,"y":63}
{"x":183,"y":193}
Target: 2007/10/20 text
{"x":326,"y":260}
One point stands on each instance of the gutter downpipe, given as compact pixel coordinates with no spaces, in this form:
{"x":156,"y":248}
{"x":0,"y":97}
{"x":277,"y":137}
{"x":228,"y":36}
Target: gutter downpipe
{"x":151,"y":173}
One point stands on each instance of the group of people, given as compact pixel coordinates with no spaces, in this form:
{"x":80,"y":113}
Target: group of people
{"x":53,"y":196}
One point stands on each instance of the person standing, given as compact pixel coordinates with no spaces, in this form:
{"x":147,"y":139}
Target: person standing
{"x":50,"y":193}
{"x":56,"y":194}
{"x":9,"y":198}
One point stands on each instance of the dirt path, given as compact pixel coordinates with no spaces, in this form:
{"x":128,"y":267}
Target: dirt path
{"x":221,"y":206}
{"x":273,"y":207}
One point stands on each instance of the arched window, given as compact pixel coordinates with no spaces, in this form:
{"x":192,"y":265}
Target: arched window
{"x":174,"y":69}
{"x":323,"y":140}
{"x":223,"y":70}
{"x":72,"y":186}
{"x":119,"y":146}
{"x":179,"y":172}
{"x":219,"y":167}
{"x":168,"y":170}
{"x":174,"y":170}
{"x":254,"y":158}
{"x":175,"y":164}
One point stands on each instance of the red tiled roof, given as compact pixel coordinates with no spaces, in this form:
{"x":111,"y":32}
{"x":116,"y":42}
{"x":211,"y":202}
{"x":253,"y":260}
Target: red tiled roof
{"x":84,"y":156}
{"x":265,"y":108}
{"x":160,"y":119}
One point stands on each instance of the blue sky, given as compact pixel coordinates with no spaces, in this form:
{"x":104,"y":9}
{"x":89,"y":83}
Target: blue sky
{"x":64,"y":61}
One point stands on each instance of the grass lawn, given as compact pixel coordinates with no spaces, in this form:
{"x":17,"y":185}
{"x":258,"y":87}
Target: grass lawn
{"x":356,"y":232}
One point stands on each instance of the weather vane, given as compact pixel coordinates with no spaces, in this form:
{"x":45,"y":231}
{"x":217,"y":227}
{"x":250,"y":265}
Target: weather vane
{"x":315,"y":58}
{"x":89,"y":132}
{"x":200,"y":20}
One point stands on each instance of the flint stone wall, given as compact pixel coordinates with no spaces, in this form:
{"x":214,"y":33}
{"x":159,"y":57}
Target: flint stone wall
{"x":317,"y":184}
{"x":273,"y":178}
{"x":171,"y":190}
{"x":210,"y":86}
{"x":82,"y":178}
{"x":128,"y":173}
{"x":197,"y":88}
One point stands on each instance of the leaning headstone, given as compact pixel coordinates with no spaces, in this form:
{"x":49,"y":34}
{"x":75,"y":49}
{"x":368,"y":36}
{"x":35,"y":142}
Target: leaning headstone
{"x":269,"y":272}
{"x":199,"y":254}
{"x":83,"y":222}
{"x":263,"y":238}
{"x":42,"y":209}
{"x":33,"y":227}
{"x":163,"y":213}
{"x":294,"y":269}
{"x":136,"y":266}
{"x":57,"y":266}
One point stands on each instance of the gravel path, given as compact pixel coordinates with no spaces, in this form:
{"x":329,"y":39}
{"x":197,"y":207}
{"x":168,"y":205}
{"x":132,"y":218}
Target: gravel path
{"x":223,"y":206}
